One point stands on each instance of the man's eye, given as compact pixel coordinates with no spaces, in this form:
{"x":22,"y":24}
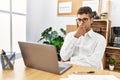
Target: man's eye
{"x":85,"y":19}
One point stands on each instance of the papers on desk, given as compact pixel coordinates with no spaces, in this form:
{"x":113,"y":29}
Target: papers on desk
{"x":90,"y":77}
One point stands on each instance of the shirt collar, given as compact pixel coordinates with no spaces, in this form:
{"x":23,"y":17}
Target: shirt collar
{"x":89,"y":33}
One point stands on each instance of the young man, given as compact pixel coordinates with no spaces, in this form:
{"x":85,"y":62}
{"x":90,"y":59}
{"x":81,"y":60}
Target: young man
{"x":84,"y":46}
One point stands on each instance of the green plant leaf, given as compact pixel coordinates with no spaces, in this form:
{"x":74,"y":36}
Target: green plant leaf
{"x":112,"y":61}
{"x":58,"y":41}
{"x":48,"y":36}
{"x":54,"y":34}
{"x":46,"y":31}
{"x":63,"y":31}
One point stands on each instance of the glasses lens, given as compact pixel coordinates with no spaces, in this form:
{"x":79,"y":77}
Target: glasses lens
{"x":85,"y":19}
{"x":78,"y":19}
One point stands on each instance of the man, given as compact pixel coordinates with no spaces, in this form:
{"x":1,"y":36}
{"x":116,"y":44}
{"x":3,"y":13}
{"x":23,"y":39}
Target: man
{"x":84,"y":46}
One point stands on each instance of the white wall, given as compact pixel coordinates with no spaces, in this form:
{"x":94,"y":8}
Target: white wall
{"x":43,"y":14}
{"x":115,"y":12}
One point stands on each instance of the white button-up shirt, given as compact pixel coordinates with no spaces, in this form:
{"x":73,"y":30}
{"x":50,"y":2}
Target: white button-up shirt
{"x":87,"y":50}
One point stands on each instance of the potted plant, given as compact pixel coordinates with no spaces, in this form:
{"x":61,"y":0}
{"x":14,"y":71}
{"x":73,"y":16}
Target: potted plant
{"x":111,"y":63}
{"x":52,"y":37}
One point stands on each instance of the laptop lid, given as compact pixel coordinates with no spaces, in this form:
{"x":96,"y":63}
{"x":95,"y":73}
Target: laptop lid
{"x":41,"y":56}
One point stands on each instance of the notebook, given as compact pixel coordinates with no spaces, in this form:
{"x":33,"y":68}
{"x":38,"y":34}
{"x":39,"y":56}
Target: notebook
{"x":42,"y":57}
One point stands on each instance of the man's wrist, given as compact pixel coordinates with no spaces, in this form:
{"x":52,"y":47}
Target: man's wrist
{"x":76,"y":36}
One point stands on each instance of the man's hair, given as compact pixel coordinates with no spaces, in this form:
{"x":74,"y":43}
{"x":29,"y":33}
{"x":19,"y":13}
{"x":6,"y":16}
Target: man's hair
{"x":85,"y":10}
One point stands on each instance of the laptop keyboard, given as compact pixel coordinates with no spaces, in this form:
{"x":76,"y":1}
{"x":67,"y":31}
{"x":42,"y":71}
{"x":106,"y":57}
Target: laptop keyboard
{"x":61,"y":68}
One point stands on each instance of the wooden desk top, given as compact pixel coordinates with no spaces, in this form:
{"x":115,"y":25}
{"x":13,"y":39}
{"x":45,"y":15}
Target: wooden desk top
{"x":21,"y":72}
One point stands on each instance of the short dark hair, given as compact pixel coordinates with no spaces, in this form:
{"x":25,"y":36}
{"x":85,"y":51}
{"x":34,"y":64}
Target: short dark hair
{"x":85,"y":10}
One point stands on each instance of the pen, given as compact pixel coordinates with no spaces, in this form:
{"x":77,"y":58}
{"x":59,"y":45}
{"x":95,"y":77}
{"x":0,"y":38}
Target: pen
{"x":11,"y":57}
{"x":4,"y":59}
{"x":6,"y":64}
{"x":89,"y":72}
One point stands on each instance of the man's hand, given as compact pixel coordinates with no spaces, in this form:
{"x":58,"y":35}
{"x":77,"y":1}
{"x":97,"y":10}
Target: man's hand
{"x":81,"y":30}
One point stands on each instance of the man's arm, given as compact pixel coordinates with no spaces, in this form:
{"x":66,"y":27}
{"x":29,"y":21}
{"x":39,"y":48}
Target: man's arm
{"x":70,"y":41}
{"x":68,"y":46}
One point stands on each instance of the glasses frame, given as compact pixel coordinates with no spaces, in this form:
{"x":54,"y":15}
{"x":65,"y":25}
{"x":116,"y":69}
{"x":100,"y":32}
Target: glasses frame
{"x":83,"y":20}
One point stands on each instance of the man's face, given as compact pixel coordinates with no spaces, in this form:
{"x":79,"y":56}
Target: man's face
{"x":84,"y":20}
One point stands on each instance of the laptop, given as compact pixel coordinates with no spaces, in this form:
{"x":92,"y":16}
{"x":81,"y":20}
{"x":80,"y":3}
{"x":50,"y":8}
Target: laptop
{"x":42,"y":57}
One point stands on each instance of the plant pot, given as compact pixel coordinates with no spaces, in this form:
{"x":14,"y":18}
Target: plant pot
{"x":111,"y":67}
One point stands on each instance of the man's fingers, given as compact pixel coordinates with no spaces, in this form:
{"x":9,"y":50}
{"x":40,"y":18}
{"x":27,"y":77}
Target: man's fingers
{"x":79,"y":24}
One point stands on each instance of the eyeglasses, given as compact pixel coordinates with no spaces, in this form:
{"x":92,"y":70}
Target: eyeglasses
{"x":83,"y":20}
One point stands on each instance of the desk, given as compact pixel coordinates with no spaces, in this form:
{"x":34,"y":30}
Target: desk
{"x":21,"y":72}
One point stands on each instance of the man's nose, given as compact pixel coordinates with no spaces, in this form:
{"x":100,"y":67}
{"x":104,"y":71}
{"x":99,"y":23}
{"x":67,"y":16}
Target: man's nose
{"x":80,"y":23}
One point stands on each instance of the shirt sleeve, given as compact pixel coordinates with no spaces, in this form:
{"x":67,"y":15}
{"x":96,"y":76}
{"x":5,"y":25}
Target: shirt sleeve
{"x":95,"y":60}
{"x":68,"y":46}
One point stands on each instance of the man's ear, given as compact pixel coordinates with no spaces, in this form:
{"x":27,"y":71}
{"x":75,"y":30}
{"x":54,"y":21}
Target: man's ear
{"x":92,"y":20}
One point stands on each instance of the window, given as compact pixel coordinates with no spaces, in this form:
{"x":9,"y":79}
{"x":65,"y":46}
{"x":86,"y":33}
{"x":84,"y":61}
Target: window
{"x":12,"y":24}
